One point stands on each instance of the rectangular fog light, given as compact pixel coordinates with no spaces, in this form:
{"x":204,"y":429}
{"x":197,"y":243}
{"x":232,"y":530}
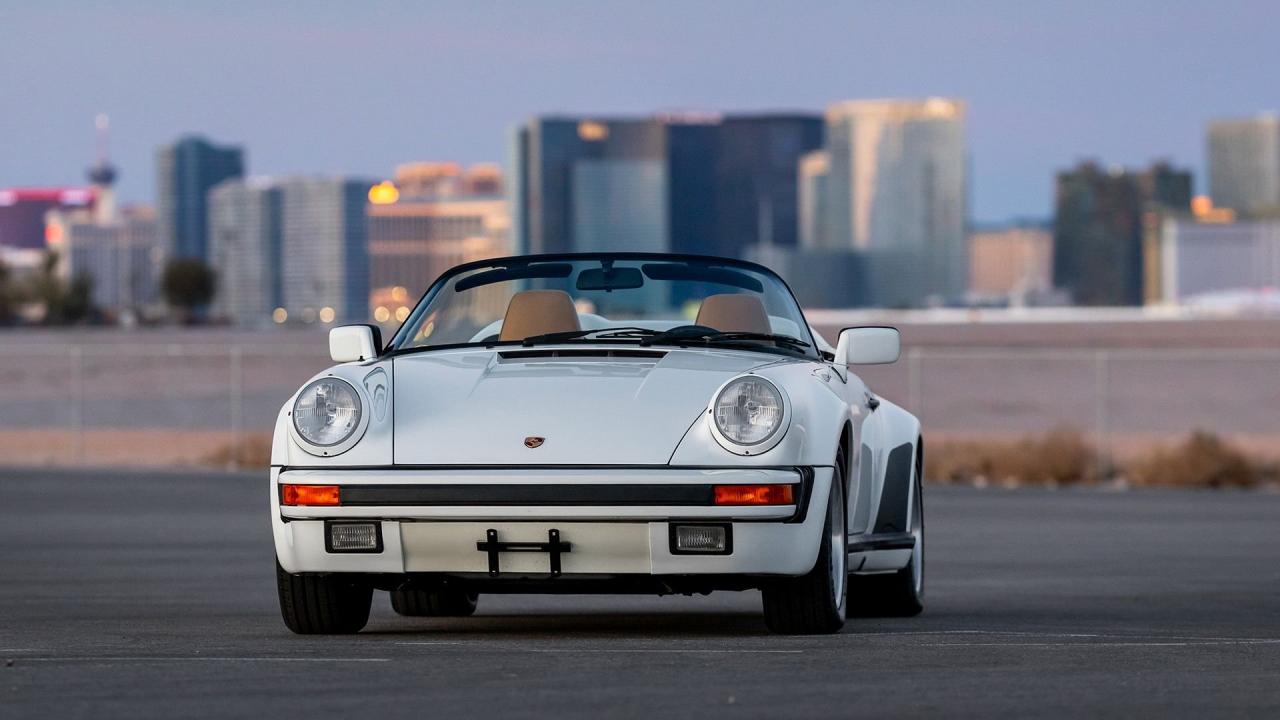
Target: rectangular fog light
{"x":701,"y":539}
{"x":342,"y":537}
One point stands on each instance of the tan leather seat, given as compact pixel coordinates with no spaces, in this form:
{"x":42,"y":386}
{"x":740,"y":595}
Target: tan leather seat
{"x":734,"y":313}
{"x":538,"y":312}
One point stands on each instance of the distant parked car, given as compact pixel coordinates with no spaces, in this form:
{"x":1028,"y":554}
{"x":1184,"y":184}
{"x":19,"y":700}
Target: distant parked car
{"x":610,"y":422}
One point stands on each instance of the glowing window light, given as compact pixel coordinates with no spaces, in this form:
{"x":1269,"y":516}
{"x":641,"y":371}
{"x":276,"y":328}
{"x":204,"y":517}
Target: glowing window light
{"x":590,"y":130}
{"x":384,"y":193}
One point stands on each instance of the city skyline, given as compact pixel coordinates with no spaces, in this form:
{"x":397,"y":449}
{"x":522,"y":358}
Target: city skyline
{"x":302,"y":104}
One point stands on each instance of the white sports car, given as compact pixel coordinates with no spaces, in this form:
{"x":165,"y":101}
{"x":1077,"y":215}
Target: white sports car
{"x":608,"y":422}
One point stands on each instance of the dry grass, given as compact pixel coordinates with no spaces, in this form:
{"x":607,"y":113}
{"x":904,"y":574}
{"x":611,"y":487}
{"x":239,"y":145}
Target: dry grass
{"x":1202,"y":460}
{"x":1065,"y":457}
{"x":1061,"y":457}
{"x":252,"y":452}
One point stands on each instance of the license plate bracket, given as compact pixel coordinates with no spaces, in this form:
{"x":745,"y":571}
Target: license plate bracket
{"x":495,"y":547}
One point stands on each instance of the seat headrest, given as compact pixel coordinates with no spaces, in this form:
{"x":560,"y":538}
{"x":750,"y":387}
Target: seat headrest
{"x":538,"y":312}
{"x":734,"y":313}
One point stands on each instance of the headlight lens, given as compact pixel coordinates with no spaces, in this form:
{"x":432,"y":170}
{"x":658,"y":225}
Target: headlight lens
{"x":748,"y":411}
{"x":326,"y":412}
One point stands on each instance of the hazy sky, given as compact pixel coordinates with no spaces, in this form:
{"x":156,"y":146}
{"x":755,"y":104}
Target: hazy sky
{"x":357,"y":87}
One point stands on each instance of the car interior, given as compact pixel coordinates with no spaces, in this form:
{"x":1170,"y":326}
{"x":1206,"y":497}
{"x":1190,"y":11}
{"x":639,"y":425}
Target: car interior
{"x":539,"y":312}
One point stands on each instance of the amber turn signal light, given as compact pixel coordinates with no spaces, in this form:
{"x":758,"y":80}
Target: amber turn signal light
{"x":755,"y":495}
{"x":309,"y":495}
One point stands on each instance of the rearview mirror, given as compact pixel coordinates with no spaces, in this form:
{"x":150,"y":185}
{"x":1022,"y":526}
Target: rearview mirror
{"x":608,"y":279}
{"x":351,"y":343}
{"x":868,"y":346}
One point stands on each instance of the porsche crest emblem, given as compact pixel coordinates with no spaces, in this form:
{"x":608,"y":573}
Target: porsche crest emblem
{"x":533,"y":441}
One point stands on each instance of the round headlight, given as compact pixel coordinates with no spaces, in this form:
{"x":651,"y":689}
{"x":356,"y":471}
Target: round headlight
{"x":326,"y":412}
{"x":748,"y":410}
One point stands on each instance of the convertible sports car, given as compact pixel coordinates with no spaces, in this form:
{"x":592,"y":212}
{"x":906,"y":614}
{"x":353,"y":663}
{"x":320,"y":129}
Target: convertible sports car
{"x":608,"y":422}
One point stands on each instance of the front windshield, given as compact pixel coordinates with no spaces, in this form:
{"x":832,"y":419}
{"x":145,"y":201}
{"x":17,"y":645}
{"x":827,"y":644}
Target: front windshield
{"x":615,"y":298}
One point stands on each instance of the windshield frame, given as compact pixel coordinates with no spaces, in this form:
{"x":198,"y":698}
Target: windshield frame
{"x":402,"y":334}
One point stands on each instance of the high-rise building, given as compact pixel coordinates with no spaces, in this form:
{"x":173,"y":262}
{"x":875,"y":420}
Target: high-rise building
{"x":1224,"y":264}
{"x":448,"y":179}
{"x":820,"y":278}
{"x":706,"y":184}
{"x":1099,"y":228}
{"x":1244,"y":164}
{"x":757,"y":200}
{"x":324,"y":250}
{"x":894,"y":187}
{"x":185,"y":172}
{"x":437,"y":220}
{"x":1010,"y":263}
{"x":22,"y":212}
{"x":245,"y":237}
{"x":811,"y":186}
{"x":118,"y":251}
{"x":120,"y":255}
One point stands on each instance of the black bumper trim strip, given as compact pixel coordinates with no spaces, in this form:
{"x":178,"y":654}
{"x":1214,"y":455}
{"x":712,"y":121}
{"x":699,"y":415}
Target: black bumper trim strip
{"x":516,"y":495}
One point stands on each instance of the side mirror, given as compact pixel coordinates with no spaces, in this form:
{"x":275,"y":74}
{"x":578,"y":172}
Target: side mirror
{"x":868,"y":346}
{"x":350,"y":343}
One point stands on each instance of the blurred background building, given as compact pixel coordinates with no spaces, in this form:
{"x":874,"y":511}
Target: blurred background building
{"x":820,"y":278}
{"x":1011,"y":265}
{"x":1244,"y":164}
{"x":185,"y":172}
{"x":245,"y":243}
{"x":116,"y":252}
{"x":691,"y":183}
{"x":1098,"y":228}
{"x":1220,"y":265}
{"x":22,"y":212}
{"x":323,"y":245}
{"x":892,"y":186}
{"x":431,"y":217}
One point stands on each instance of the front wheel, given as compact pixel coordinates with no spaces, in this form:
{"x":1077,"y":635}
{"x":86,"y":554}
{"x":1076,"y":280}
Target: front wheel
{"x":815,"y":603}
{"x":323,"y":603}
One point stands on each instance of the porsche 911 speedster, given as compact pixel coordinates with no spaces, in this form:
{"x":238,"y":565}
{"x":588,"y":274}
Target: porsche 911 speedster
{"x":607,"y":422}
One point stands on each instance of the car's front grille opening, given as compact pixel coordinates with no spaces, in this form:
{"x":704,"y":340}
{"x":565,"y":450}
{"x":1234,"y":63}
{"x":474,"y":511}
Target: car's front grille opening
{"x":578,"y":353}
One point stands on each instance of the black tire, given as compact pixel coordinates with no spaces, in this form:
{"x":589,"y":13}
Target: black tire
{"x":900,"y":594}
{"x":438,"y":603}
{"x":815,"y":603}
{"x":323,"y":604}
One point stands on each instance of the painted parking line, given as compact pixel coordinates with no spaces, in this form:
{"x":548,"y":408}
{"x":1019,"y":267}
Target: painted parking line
{"x":503,"y":647}
{"x":659,"y":651}
{"x":160,"y":658}
{"x":1104,"y":644}
{"x":429,"y":642}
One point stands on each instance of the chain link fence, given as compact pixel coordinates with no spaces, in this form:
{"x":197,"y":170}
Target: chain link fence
{"x":201,"y":403}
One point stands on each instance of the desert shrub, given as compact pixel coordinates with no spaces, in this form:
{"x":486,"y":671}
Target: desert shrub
{"x":253,"y":451}
{"x":1060,"y":457}
{"x":1203,"y":460}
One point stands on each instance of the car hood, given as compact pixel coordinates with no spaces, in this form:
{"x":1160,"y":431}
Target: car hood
{"x":597,"y":407}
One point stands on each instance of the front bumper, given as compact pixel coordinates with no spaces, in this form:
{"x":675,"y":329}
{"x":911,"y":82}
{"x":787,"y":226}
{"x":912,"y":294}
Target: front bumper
{"x":617,"y":520}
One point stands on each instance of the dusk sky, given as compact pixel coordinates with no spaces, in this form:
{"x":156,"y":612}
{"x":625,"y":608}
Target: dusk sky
{"x":356,"y":88}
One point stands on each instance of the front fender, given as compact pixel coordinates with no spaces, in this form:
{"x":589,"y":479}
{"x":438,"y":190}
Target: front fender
{"x":372,"y":381}
{"x":818,"y":417}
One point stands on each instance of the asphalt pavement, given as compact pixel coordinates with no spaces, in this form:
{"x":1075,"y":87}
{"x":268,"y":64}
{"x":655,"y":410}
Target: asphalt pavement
{"x":152,"y":595}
